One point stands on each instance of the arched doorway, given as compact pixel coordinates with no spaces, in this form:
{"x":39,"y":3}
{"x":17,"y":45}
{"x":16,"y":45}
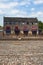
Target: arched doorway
{"x":8,"y":30}
{"x":25,"y":30}
{"x":17,"y":30}
{"x":34,"y":30}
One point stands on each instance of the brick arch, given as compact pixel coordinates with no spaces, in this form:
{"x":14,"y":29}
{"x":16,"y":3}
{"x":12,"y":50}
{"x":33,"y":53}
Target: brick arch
{"x":17,"y":30}
{"x":25,"y":30}
{"x":8,"y":29}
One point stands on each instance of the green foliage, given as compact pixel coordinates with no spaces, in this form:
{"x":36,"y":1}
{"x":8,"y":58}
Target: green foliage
{"x":0,"y":26}
{"x":40,"y":25}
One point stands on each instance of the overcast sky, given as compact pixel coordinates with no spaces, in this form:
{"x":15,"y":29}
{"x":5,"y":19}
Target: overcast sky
{"x":21,"y":8}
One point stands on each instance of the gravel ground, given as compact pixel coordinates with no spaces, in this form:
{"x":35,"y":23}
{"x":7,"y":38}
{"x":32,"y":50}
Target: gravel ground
{"x":21,"y":52}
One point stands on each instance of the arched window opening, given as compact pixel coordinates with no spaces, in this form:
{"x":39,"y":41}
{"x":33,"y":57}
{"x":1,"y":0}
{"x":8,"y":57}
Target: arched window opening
{"x":17,"y":30}
{"x":8,"y":30}
{"x":25,"y":30}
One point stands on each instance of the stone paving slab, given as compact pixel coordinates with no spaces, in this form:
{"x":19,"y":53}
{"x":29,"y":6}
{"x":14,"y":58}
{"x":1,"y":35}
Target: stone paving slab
{"x":21,"y":52}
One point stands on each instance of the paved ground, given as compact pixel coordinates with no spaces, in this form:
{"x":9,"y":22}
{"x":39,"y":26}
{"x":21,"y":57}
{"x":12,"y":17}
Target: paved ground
{"x":21,"y":52}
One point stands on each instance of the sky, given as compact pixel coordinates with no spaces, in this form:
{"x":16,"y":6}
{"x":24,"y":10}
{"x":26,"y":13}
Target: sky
{"x":21,"y":8}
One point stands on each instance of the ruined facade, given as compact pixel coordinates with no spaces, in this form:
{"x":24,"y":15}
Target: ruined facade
{"x":27,"y":24}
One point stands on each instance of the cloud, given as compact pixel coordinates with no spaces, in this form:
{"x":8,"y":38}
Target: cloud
{"x":25,"y":2}
{"x":16,"y":12}
{"x":32,"y":9}
{"x":8,"y":5}
{"x":4,"y":1}
{"x":1,"y":12}
{"x":36,"y":14}
{"x":21,"y":8}
{"x":40,"y":13}
{"x":38,"y":2}
{"x":13,"y":4}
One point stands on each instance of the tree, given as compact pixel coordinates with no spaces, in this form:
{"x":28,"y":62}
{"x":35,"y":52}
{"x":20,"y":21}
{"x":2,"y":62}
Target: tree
{"x":40,"y":25}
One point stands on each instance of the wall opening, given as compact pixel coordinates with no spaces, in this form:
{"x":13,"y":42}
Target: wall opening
{"x":25,"y":30}
{"x":17,"y":30}
{"x":8,"y":30}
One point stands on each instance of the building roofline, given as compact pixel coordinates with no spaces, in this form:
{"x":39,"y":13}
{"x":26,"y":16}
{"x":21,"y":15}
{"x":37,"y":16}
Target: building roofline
{"x":23,"y":17}
{"x":20,"y":19}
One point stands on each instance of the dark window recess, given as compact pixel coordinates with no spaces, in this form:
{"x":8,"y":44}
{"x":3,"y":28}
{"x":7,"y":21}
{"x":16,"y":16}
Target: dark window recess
{"x":10,"y":22}
{"x":25,"y":32}
{"x":8,"y":30}
{"x":27,"y":22}
{"x":5,"y":23}
{"x":32,"y":23}
{"x":17,"y":31}
{"x":14,"y":22}
{"x":34,"y":32}
{"x":19,"y":23}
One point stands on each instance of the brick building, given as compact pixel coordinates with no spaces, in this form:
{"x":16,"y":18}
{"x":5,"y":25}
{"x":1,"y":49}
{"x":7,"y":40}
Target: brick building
{"x":21,"y":24}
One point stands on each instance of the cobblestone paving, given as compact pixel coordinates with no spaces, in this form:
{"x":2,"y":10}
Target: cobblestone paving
{"x":21,"y":52}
